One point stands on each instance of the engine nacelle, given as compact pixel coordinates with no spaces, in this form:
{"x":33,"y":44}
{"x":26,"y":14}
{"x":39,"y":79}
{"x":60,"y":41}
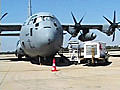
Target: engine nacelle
{"x":106,"y":29}
{"x":87,"y":37}
{"x":19,"y":51}
{"x":72,"y":31}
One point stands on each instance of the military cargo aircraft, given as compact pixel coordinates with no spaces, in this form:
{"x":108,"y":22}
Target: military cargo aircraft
{"x":41,"y":35}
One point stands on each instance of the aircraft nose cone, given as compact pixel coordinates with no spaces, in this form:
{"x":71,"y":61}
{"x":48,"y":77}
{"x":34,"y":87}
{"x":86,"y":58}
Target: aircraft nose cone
{"x":49,"y":36}
{"x":46,"y":41}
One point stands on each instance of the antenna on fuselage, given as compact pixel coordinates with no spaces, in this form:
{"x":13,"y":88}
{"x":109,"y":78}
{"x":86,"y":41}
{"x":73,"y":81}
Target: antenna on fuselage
{"x":29,"y":8}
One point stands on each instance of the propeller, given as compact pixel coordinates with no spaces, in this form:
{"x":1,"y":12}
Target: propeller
{"x":77,"y":26}
{"x":3,"y":16}
{"x":113,"y":25}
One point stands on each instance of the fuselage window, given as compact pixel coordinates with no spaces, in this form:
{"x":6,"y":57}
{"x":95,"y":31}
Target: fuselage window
{"x":55,"y":24}
{"x":23,"y":44}
{"x":20,"y":48}
{"x":37,"y":24}
{"x":31,"y":31}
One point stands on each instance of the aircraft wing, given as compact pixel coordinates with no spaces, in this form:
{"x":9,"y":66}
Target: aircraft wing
{"x":99,"y":27}
{"x":10,"y":28}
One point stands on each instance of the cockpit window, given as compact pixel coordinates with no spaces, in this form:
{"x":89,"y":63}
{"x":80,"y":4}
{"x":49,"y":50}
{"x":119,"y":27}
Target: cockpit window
{"x":44,"y":18}
{"x":32,"y":19}
{"x":37,"y":19}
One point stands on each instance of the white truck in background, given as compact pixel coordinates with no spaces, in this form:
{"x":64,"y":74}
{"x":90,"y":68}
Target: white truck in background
{"x":95,"y":52}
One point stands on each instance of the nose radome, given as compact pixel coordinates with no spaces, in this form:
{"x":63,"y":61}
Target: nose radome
{"x":49,"y":36}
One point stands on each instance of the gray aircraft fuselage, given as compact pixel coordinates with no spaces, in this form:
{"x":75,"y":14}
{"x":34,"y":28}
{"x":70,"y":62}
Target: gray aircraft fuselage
{"x":41,"y":35}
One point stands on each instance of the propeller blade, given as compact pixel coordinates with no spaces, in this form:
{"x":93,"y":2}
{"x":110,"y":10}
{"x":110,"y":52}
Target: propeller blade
{"x":114,"y":19}
{"x":108,"y":20}
{"x":113,"y":37}
{"x":3,"y":16}
{"x":81,"y":20}
{"x":113,"y":25}
{"x":77,"y":26}
{"x":74,"y":18}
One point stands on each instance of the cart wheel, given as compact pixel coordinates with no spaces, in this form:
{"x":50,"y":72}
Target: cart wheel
{"x":75,"y":63}
{"x":89,"y":62}
{"x":106,"y":60}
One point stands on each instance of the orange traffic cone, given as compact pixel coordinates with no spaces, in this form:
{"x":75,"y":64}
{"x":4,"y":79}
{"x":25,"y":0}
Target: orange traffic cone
{"x":54,"y":66}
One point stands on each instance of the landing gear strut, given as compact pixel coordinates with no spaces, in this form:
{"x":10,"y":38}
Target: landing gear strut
{"x":39,"y":61}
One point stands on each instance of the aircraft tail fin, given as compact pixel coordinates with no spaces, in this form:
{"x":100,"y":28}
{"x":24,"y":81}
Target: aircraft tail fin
{"x":29,"y":8}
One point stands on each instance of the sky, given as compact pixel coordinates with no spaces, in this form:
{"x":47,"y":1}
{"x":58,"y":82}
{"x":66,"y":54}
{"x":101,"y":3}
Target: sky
{"x":92,"y":9}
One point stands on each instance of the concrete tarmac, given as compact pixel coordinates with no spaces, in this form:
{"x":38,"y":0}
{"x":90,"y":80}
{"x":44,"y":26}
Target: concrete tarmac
{"x":22,"y":75}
